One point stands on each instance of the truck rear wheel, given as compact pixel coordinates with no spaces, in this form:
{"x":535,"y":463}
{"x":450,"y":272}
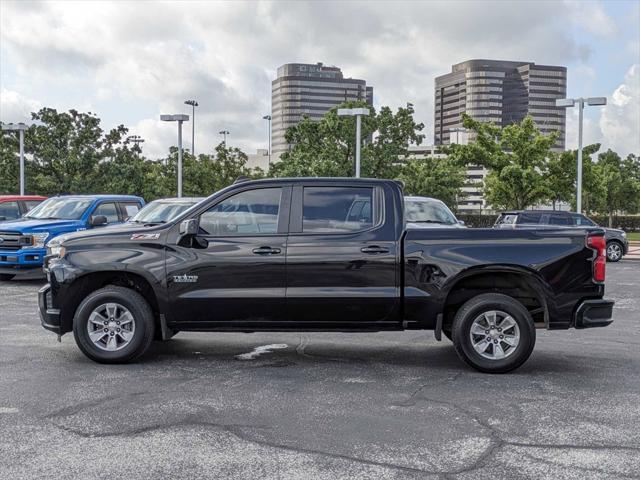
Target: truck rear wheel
{"x":113,"y":325}
{"x":493,"y":333}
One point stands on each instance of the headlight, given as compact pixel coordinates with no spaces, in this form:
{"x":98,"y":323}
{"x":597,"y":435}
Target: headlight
{"x":624,"y":234}
{"x":55,"y":248}
{"x":39,"y":239}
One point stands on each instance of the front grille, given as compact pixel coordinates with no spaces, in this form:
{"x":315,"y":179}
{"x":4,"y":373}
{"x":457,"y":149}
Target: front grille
{"x":13,"y":241}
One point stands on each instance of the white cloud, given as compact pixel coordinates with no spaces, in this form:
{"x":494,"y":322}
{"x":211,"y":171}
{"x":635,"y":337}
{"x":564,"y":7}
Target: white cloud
{"x":15,"y":107}
{"x":616,"y":125}
{"x":590,"y":15}
{"x":620,"y":119}
{"x":135,"y":60}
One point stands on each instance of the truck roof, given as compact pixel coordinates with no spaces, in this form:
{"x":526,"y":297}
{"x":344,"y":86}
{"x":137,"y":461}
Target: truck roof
{"x":102,"y":197}
{"x":348,"y":180}
{"x":515,"y":212}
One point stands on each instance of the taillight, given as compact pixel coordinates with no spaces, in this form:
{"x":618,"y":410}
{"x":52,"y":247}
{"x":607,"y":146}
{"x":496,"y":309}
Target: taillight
{"x":599,"y":265}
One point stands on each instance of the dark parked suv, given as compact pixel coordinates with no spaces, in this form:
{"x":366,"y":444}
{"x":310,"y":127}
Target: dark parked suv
{"x":617,"y":242}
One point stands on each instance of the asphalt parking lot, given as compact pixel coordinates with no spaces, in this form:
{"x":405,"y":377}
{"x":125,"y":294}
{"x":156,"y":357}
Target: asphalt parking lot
{"x":320,"y":405}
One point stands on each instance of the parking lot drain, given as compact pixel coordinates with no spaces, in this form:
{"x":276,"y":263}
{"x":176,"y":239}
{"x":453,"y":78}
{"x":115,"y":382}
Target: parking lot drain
{"x":260,"y":350}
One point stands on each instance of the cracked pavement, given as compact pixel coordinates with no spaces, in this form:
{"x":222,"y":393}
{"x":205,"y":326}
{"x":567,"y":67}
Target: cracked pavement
{"x":328,"y":406}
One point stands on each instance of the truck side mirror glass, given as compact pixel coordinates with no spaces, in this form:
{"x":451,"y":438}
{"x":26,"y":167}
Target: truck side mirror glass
{"x":98,"y":220}
{"x":189,"y":227}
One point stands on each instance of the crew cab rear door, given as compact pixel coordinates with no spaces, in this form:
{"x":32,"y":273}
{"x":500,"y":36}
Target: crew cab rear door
{"x":342,"y":257}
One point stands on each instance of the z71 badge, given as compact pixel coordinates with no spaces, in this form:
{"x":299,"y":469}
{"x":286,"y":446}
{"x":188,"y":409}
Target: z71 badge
{"x":145,"y":236}
{"x":185,"y":278}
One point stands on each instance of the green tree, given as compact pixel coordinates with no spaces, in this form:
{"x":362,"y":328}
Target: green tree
{"x":562,"y":173}
{"x":516,"y":156}
{"x":618,"y":184}
{"x":327,"y":147}
{"x":441,"y":178}
{"x":9,"y":164}
{"x":203,"y":174}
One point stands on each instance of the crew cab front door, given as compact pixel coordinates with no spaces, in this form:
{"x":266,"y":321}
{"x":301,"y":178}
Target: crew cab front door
{"x":233,"y":272}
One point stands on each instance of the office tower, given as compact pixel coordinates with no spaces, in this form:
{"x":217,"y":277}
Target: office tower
{"x":308,"y":89}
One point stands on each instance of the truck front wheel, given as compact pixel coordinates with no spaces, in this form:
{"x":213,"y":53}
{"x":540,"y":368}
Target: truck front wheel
{"x":493,"y":333}
{"x":113,"y":325}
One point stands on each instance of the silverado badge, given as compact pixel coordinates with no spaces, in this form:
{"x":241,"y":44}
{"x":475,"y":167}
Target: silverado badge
{"x":185,"y":278}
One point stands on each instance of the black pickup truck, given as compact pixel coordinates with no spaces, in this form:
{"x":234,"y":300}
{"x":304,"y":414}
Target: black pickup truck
{"x":319,"y":254}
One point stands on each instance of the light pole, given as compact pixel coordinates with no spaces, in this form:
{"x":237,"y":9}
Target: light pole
{"x":268,"y":118}
{"x":570,"y":102}
{"x":177,"y":118}
{"x":20,"y":128}
{"x":224,"y":133}
{"x":193,"y":104}
{"x":136,"y":140}
{"x":358,"y":113}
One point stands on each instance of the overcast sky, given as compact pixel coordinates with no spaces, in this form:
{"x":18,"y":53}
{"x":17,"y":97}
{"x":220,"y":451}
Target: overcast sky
{"x":130,"y":61}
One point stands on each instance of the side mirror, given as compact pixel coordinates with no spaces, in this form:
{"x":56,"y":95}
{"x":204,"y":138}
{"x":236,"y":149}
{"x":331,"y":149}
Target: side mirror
{"x":98,"y":220}
{"x":461,"y":222}
{"x":189,"y":227}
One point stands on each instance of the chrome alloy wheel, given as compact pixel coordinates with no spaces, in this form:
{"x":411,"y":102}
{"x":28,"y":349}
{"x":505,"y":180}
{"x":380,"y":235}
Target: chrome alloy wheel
{"x":494,"y":334}
{"x":111,"y":327}
{"x":614,"y":251}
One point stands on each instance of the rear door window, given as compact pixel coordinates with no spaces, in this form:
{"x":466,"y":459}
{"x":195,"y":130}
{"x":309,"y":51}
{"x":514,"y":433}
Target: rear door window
{"x":559,"y":220}
{"x":529,"y":218}
{"x":337,"y":209}
{"x":9,"y":211}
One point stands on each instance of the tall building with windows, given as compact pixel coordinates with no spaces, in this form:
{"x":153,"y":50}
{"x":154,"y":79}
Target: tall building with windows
{"x":501,"y":92}
{"x":308,"y":89}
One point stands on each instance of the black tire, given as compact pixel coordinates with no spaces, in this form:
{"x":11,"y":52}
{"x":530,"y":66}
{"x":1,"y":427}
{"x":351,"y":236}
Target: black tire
{"x":614,"y":255}
{"x":472,"y":310}
{"x":142,"y":317}
{"x":5,"y":277}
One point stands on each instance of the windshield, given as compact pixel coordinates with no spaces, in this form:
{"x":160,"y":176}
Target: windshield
{"x":428,"y":211}
{"x":161,"y":212}
{"x":60,"y":209}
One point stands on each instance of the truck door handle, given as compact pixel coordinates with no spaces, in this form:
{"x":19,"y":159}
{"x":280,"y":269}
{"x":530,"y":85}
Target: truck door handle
{"x":373,"y":249}
{"x":266,"y":251}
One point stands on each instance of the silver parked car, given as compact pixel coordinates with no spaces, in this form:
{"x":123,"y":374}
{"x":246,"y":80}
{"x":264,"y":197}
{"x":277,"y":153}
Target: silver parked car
{"x":163,"y":210}
{"x":426,"y":212}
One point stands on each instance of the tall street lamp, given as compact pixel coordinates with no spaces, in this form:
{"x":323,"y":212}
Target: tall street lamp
{"x":570,"y":102}
{"x":177,"y":118}
{"x":358,"y":113}
{"x":268,"y":118}
{"x":193,"y":104}
{"x":224,"y":133}
{"x":18,"y":127}
{"x":136,"y":140}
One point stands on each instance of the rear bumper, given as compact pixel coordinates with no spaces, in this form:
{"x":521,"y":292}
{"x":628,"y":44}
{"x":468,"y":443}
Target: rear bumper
{"x":594,"y":313}
{"x":49,"y":316}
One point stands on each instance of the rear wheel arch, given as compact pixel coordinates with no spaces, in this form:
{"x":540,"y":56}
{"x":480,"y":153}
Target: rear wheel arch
{"x":520,"y":284}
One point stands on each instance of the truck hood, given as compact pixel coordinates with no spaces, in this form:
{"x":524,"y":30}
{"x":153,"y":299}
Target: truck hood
{"x":114,"y":230}
{"x":28,"y":225}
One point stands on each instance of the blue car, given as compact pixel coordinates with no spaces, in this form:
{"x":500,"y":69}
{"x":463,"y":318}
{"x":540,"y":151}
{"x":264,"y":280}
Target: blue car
{"x":22,"y":241}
